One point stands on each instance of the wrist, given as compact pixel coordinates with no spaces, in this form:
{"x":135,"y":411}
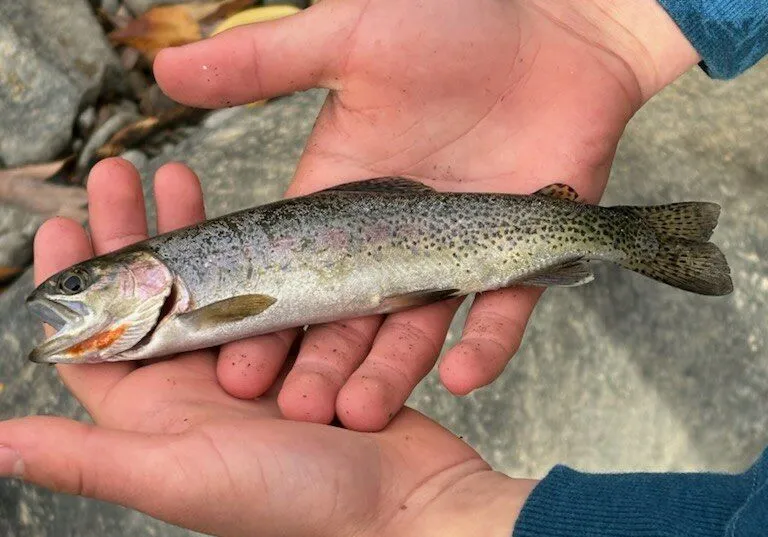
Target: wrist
{"x":638,"y":33}
{"x":481,"y":504}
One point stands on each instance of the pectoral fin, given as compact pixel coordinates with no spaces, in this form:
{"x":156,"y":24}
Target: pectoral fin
{"x":569,"y":274}
{"x":559,"y":191}
{"x":415,"y":298}
{"x":229,"y":310}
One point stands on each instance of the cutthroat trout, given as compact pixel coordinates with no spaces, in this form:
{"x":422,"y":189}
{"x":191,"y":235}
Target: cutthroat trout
{"x":373,"y":246}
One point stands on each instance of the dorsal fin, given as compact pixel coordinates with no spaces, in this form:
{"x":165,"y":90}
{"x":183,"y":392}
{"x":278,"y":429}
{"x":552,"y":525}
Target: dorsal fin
{"x":559,"y":191}
{"x":382,"y":184}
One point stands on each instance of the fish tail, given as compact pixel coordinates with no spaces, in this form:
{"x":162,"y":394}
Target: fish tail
{"x":685,"y":259}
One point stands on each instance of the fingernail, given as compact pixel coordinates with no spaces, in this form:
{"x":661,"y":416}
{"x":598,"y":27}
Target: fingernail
{"x":11,"y":464}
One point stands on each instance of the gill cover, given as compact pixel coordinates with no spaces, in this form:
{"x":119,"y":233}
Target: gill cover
{"x":101,"y":307}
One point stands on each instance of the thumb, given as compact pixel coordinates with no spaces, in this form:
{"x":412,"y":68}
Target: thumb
{"x":261,"y":60}
{"x":75,"y":458}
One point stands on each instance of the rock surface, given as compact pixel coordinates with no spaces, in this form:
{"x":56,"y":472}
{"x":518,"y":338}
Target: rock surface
{"x":623,"y":374}
{"x":54,"y":60}
{"x":17,"y":230}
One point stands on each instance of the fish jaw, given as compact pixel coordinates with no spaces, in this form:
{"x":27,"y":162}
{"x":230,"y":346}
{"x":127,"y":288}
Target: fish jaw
{"x":71,"y":327}
{"x":122,"y":308}
{"x":71,"y":346}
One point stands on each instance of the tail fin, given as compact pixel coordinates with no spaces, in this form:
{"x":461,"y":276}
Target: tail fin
{"x":685,"y":259}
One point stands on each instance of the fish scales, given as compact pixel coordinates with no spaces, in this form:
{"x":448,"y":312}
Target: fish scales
{"x":391,"y":244}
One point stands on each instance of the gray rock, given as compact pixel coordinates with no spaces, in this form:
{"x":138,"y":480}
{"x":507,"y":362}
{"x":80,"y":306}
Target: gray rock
{"x":86,"y":120}
{"x":136,"y":157}
{"x":17,"y":231}
{"x":54,"y":61}
{"x":103,"y":134}
{"x":110,"y":6}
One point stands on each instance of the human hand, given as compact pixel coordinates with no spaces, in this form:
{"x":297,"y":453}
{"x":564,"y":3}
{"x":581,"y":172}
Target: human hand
{"x":482,"y":96}
{"x":170,"y":442}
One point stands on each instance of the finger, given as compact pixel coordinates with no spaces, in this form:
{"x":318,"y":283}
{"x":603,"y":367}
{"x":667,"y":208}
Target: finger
{"x":117,"y":218}
{"x":492,"y":334}
{"x":262,"y":60}
{"x":329,"y":354}
{"x":115,"y":205}
{"x":59,"y":243}
{"x":179,"y":197}
{"x":406,"y":348}
{"x":247,"y":368}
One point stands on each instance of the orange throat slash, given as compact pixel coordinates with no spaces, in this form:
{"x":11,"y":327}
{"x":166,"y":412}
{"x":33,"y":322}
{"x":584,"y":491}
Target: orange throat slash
{"x":99,"y":341}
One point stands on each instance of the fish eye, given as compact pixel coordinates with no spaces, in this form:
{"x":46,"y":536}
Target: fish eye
{"x":73,"y":282}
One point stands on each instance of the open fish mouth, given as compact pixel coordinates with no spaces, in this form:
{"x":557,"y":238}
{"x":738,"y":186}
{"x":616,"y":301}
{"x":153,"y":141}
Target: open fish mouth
{"x":70,"y":325}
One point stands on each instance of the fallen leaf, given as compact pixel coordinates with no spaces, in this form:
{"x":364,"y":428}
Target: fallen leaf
{"x":208,"y":12}
{"x":45,"y":198}
{"x":38,"y":172}
{"x":6,"y":273}
{"x":173,"y":25}
{"x":2,"y":387}
{"x":138,"y":131}
{"x":158,"y":28}
{"x":256,"y":14}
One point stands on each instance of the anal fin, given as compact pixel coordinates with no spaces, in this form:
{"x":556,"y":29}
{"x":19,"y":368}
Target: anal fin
{"x":228,"y":310}
{"x":570,"y":274}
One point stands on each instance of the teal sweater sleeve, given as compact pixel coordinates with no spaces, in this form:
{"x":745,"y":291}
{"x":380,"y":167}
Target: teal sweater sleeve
{"x":729,"y":35}
{"x":567,"y":503}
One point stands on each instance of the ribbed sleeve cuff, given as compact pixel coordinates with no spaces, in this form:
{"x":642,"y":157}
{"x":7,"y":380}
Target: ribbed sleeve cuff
{"x":730,"y":35}
{"x":567,"y":503}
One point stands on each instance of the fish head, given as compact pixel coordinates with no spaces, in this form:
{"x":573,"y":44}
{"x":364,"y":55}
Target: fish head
{"x":100,"y":307}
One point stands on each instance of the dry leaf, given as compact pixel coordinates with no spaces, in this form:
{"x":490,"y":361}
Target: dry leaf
{"x":138,"y":131}
{"x":38,"y":172}
{"x":6,"y":273}
{"x":173,"y":25}
{"x":208,"y":12}
{"x":257,"y":14}
{"x":45,"y":198}
{"x":158,"y":28}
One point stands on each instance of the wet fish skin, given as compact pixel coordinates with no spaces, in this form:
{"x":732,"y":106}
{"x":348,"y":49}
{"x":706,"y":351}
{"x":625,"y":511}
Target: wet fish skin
{"x":383,"y":245}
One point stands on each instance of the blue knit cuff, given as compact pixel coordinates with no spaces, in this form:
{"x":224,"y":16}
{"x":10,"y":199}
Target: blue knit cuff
{"x":730,"y":35}
{"x":568,"y":503}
